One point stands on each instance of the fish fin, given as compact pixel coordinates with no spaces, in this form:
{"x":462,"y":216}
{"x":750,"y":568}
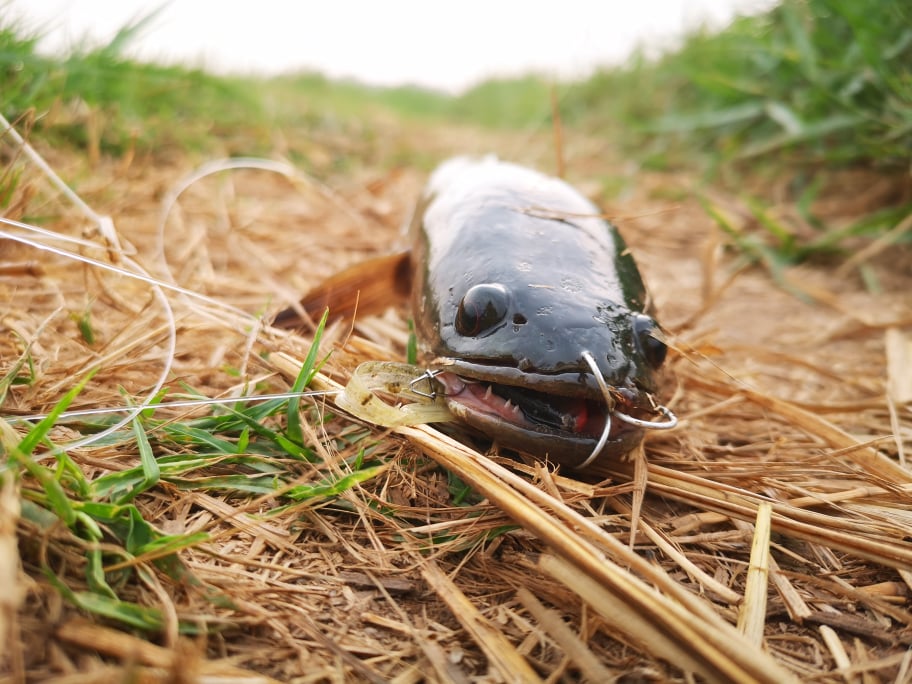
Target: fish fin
{"x":366,"y":288}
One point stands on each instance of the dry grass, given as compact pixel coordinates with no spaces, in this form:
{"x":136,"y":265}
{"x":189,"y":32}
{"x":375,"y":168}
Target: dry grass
{"x":773,"y":540}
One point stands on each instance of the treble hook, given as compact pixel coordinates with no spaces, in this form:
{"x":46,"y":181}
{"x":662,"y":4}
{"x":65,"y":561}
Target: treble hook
{"x":609,"y":400}
{"x":670,"y":421}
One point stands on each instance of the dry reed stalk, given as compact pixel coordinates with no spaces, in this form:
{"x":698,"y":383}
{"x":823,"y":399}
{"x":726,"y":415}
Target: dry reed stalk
{"x":752,"y":616}
{"x":831,"y":639}
{"x":796,"y":606}
{"x":11,"y":589}
{"x":180,"y":663}
{"x":881,"y":552}
{"x":899,"y":366}
{"x":802,"y":524}
{"x":722,"y":654}
{"x":665,"y":545}
{"x":713,"y":656}
{"x":502,"y":656}
{"x":868,"y":458}
{"x":476,"y":469}
{"x":574,"y":647}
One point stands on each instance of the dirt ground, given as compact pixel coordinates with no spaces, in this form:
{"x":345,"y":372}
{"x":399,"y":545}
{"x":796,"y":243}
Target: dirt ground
{"x":789,"y":411}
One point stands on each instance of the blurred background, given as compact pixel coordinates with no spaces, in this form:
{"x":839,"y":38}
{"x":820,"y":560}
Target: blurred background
{"x":407,"y":42}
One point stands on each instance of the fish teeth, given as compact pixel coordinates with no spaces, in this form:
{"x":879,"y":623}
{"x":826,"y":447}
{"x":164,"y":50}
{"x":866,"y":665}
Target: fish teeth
{"x":488,"y":393}
{"x":508,"y":404}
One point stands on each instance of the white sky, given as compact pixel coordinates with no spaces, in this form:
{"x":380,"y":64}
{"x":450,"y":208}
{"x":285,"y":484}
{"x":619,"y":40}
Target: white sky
{"x":449,"y":46}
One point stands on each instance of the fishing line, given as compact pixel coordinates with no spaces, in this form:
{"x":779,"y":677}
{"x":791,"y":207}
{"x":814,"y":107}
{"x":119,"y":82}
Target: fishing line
{"x":215,"y":166}
{"x":141,"y":276}
{"x":82,"y":242}
{"x":289,"y":172}
{"x":108,"y":232}
{"x":171,"y":344}
{"x":185,"y":403}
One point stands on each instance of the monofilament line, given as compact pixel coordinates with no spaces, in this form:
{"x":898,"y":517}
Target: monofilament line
{"x":185,"y":403}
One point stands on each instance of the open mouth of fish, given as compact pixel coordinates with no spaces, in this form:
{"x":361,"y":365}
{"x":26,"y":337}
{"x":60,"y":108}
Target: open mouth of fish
{"x":565,"y":421}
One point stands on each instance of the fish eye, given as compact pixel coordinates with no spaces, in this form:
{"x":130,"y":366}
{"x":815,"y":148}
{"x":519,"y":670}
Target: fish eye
{"x":646,"y":333}
{"x":482,"y":308}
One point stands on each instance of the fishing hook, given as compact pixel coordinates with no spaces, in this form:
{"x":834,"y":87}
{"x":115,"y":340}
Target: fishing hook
{"x":609,"y":400}
{"x":428,"y":375}
{"x":671,"y":420}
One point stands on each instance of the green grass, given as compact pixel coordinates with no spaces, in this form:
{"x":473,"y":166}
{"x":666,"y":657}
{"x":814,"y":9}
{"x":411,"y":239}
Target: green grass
{"x":307,"y":94}
{"x":818,"y":80}
{"x":248,"y":449}
{"x":131,"y":103}
{"x":506,"y":103}
{"x":822,"y":81}
{"x":785,"y":98}
{"x":137,"y":105}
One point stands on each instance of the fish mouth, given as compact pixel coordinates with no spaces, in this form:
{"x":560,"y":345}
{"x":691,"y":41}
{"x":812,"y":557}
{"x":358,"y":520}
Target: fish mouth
{"x":544,"y":417}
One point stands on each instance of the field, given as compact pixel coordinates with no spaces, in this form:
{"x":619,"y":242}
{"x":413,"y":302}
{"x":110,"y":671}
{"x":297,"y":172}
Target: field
{"x":766,"y":538}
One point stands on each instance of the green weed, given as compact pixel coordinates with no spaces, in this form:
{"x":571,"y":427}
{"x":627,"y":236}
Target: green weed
{"x":245,"y":449}
{"x":818,"y":80}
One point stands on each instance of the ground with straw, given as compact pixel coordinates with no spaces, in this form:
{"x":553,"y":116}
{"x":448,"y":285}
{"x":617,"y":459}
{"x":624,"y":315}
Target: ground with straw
{"x":233,"y":543}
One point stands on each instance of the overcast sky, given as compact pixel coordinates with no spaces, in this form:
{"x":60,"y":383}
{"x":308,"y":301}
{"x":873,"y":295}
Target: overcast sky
{"x":448,"y":46}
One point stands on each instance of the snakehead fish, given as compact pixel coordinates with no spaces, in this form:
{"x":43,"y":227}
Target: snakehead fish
{"x":528,"y":308}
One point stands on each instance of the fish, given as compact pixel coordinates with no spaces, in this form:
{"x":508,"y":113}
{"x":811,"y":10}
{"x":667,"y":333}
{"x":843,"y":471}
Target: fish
{"x":530,"y":313}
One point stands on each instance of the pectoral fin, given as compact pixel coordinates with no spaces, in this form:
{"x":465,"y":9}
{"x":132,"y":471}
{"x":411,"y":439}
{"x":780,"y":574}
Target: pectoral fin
{"x":368,"y":288}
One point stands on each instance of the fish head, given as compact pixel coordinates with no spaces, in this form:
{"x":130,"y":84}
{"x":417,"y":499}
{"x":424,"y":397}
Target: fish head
{"x":533,"y":308}
{"x":543,"y":368}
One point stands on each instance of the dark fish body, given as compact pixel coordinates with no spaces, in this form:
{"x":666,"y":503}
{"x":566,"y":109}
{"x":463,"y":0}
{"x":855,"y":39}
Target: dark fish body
{"x":515,"y":279}
{"x":515,"y":276}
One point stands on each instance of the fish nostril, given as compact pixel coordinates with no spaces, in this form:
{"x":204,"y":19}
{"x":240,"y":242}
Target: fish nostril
{"x":519,"y":319}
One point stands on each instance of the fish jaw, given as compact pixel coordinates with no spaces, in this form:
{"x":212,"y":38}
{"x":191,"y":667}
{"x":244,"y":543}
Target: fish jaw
{"x":564,"y":429}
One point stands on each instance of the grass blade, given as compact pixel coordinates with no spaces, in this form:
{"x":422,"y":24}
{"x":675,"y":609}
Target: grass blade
{"x":150,"y":469}
{"x":308,"y":369}
{"x":41,"y":429}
